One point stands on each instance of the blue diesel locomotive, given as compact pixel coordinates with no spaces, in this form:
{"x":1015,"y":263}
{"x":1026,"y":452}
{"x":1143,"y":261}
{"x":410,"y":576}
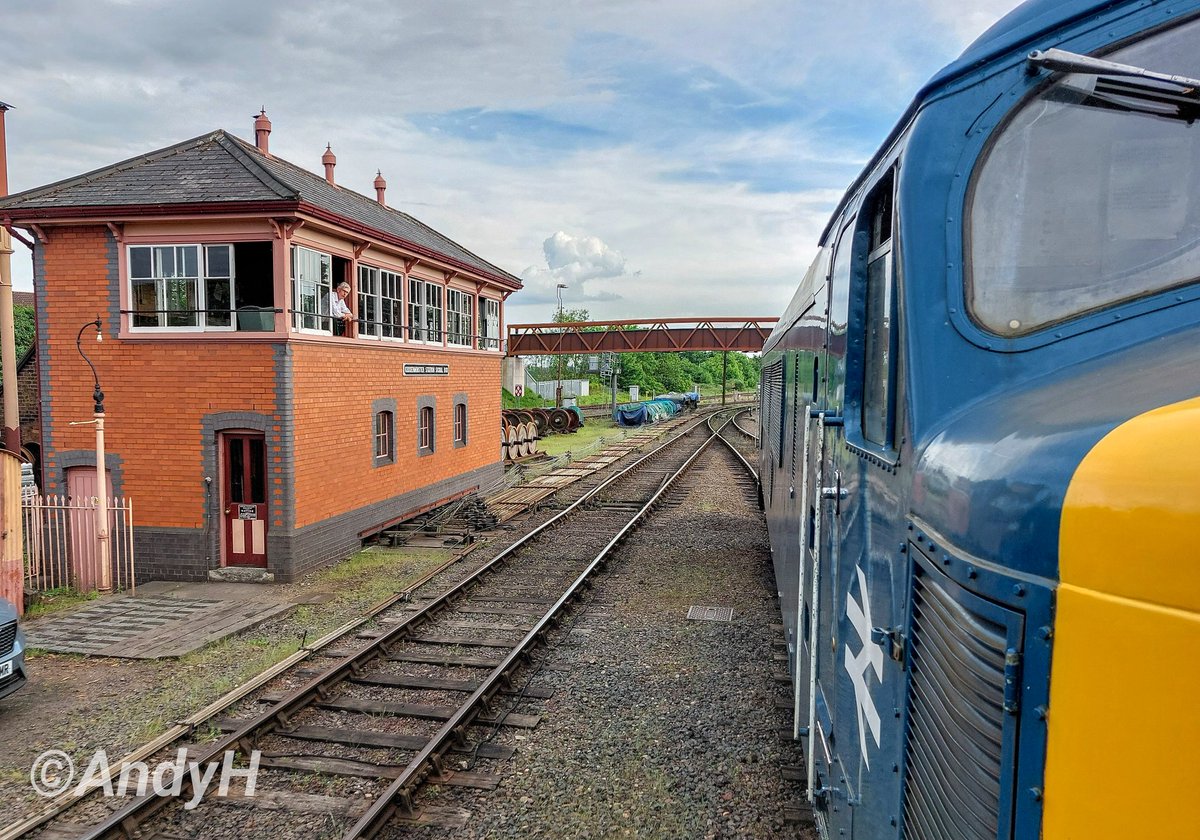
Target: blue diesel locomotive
{"x":980,"y":447}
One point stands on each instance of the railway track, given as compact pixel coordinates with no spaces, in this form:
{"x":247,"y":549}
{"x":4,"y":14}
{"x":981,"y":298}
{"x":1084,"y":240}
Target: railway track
{"x":392,"y":715}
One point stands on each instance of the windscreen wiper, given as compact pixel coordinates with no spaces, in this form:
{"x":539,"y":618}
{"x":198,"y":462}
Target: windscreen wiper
{"x":1123,"y":86}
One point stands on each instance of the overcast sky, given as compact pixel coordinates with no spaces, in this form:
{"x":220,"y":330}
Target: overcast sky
{"x":660,"y":157}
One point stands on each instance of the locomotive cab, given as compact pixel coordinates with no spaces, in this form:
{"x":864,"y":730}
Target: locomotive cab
{"x":978,"y":417}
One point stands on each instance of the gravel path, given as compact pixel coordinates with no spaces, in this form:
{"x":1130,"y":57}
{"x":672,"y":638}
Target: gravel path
{"x":659,"y":726}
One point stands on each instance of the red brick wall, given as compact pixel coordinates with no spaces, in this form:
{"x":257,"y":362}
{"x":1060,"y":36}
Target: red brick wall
{"x":155,"y":391}
{"x":334,"y":389}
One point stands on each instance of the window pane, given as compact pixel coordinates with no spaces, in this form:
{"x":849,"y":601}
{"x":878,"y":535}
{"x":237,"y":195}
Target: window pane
{"x":311,"y":290}
{"x":416,"y":317}
{"x":141,"y":263}
{"x":383,"y":434}
{"x":258,"y":481}
{"x":1053,"y":235}
{"x":218,"y":298}
{"x":433,"y":312}
{"x":877,"y":350}
{"x":181,"y":300}
{"x":489,"y":327}
{"x":165,"y":262}
{"x":217,"y":260}
{"x":425,"y":431}
{"x":187,"y":261}
{"x":368,"y":301}
{"x":237,"y":471}
{"x":145,"y":300}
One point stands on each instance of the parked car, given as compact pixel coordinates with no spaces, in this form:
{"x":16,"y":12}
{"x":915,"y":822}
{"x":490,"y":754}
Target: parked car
{"x":29,"y":486}
{"x":12,"y":650}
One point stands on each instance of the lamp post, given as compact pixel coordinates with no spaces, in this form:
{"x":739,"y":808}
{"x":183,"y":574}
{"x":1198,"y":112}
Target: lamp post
{"x":558,"y":386}
{"x":105,"y":570}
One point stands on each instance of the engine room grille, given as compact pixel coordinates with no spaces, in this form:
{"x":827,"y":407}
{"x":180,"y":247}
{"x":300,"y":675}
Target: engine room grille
{"x":955,"y":776}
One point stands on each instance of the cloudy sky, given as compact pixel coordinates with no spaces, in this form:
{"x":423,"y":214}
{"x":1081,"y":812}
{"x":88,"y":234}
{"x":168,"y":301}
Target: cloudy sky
{"x":660,"y":157}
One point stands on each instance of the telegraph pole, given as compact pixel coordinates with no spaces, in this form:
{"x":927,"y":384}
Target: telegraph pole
{"x":12,"y":575}
{"x":10,"y":438}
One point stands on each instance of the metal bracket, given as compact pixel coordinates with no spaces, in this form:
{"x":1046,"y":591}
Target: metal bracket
{"x":890,"y":639}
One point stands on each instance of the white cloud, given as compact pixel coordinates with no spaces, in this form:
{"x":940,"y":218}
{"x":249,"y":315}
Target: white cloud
{"x":574,"y":261}
{"x":582,"y":257}
{"x":717,"y":216}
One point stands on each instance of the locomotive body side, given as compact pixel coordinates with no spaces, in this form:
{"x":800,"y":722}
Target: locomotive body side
{"x":970,"y":411}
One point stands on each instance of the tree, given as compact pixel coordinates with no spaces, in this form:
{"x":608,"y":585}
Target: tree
{"x":25,"y":327}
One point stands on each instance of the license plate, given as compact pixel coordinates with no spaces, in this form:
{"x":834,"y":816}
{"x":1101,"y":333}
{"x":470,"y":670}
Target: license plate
{"x":6,"y":669}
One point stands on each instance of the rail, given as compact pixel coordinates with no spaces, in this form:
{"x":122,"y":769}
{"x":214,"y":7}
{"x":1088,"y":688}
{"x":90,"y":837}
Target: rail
{"x":277,"y":718}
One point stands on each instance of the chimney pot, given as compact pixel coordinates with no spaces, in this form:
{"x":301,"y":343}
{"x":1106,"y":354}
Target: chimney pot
{"x":330,"y":161}
{"x":380,"y":187}
{"x":262,"y":132}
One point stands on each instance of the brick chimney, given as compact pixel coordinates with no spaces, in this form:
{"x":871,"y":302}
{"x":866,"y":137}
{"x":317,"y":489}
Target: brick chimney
{"x":380,"y":187}
{"x":330,"y":161}
{"x":262,"y":131}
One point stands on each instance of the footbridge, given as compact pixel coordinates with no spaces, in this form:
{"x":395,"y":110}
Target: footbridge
{"x":661,"y":335}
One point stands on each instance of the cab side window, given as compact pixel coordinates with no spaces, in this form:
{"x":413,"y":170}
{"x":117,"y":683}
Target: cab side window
{"x":879,"y":333}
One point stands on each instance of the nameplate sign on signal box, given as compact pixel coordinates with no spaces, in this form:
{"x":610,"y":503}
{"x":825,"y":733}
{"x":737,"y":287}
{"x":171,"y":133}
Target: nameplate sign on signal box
{"x":427,"y":370}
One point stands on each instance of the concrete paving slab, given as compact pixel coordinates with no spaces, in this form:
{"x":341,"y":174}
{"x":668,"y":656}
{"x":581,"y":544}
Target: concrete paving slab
{"x":161,"y":620}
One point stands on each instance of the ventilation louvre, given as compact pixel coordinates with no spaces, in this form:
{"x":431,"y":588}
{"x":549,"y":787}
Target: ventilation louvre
{"x":956,"y":778}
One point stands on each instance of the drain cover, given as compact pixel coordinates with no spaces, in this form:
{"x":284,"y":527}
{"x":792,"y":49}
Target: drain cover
{"x":710,"y":613}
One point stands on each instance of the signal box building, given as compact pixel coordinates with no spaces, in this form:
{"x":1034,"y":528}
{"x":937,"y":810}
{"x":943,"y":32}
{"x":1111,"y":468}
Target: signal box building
{"x":249,"y":426}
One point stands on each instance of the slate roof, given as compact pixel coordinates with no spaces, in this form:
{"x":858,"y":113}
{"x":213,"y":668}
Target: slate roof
{"x":221,"y":168}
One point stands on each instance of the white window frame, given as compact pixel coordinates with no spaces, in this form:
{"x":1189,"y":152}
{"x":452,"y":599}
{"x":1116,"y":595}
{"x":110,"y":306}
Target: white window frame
{"x":201,"y":281}
{"x":460,"y":316}
{"x":368,"y":299}
{"x":323,"y":286}
{"x":489,"y":322}
{"x":460,"y":427}
{"x":395,"y":280}
{"x":425,"y":439}
{"x":419,"y":309}
{"x":385,"y":435}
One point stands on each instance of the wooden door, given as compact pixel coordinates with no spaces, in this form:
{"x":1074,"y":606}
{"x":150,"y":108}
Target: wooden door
{"x":81,"y":491}
{"x":244,"y":499}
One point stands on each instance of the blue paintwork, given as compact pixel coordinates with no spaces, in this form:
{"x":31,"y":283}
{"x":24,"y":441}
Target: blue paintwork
{"x":989,"y":430}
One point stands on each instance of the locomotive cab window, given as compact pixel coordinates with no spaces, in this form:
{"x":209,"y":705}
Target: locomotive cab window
{"x":1087,"y":197}
{"x":879,"y":338}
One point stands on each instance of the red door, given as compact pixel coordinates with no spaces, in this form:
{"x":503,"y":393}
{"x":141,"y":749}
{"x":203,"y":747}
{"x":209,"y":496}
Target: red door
{"x":85,"y":563}
{"x":244,"y":458}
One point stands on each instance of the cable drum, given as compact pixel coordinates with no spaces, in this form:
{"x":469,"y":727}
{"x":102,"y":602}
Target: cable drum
{"x":560,"y":420}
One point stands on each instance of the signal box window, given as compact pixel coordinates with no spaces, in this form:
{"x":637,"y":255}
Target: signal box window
{"x":385,"y":451}
{"x":426,"y":441}
{"x":182,"y":286}
{"x":879,"y":335}
{"x":489,"y":324}
{"x":460,"y":421}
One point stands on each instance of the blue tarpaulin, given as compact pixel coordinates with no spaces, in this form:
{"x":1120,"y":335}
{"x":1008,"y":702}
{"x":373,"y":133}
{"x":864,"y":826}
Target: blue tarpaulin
{"x":648,"y":411}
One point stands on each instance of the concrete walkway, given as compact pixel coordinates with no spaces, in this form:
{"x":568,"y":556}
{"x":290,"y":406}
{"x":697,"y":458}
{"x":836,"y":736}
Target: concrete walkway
{"x":161,"y":620}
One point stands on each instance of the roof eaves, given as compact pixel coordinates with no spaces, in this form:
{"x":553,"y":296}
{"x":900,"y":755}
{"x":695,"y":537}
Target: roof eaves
{"x":9,"y":201}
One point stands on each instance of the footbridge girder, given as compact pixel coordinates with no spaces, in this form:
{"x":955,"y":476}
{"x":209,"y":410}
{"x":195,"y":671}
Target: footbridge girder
{"x":654,"y":335}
